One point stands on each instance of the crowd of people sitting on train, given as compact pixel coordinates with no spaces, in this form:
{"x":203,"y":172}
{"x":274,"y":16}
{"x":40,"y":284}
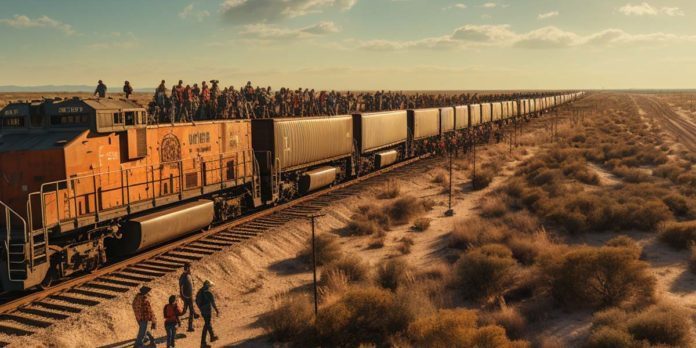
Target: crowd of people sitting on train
{"x":183,"y":102}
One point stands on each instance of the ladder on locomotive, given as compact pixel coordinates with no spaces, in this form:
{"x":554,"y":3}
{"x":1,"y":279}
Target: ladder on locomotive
{"x":26,"y":248}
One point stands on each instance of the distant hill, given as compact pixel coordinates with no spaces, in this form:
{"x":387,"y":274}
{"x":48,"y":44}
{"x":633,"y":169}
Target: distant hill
{"x":62,"y":88}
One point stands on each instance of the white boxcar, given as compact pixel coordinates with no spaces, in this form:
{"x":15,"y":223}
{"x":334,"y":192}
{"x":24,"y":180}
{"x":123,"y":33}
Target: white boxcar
{"x":447,"y":120}
{"x":424,"y":123}
{"x":461,"y":117}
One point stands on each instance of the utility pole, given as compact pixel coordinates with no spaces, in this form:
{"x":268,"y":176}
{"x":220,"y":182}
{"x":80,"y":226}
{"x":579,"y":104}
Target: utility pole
{"x":314,"y":262}
{"x":473,"y":176}
{"x":449,"y":211}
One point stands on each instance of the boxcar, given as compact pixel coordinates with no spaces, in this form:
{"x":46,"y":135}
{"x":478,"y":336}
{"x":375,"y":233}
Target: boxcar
{"x":486,"y":113}
{"x":496,"y":111}
{"x":461,"y":117}
{"x":381,"y":139}
{"x":289,"y":148}
{"x":475,"y":115}
{"x":447,"y":120}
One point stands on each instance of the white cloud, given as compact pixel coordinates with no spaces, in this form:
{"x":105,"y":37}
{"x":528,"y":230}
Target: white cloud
{"x":672,"y":11}
{"x":548,"y":15}
{"x":483,"y":33}
{"x":254,"y":11}
{"x":549,"y":37}
{"x":645,"y":9}
{"x":459,"y":6}
{"x":263,"y":31}
{"x":21,"y":21}
{"x":489,"y":5}
{"x":190,"y":12}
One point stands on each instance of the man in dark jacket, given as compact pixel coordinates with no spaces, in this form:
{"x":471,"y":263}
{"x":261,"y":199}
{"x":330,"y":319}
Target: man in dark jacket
{"x":206,"y":303}
{"x":127,"y":89}
{"x":186,"y":292}
{"x":100,"y":90}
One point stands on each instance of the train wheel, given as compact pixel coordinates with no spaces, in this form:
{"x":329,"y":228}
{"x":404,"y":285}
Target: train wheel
{"x":48,"y":281}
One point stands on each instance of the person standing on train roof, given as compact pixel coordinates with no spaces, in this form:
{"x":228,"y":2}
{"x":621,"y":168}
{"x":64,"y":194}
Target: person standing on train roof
{"x":186,"y":292}
{"x":206,"y":303}
{"x":100,"y":90}
{"x":143,"y":314}
{"x":127,"y":89}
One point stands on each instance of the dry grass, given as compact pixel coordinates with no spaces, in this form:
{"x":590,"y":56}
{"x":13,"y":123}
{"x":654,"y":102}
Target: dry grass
{"x":390,"y":191}
{"x":657,"y":325}
{"x":290,"y":320}
{"x":485,"y":272}
{"x":596,"y":277}
{"x":493,"y":207}
{"x":510,"y":319}
{"x":327,"y":250}
{"x":457,"y":328}
{"x":421,"y":224}
{"x":475,"y":232}
{"x":363,"y":315}
{"x":679,"y":235}
{"x":482,"y":179}
{"x":394,"y":273}
{"x":404,"y":209}
{"x":354,"y":268}
{"x":405,"y":245}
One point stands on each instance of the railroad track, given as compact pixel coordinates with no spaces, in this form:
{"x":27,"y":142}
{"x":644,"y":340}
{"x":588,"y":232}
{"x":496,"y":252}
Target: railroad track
{"x":28,"y":314}
{"x":683,"y":129}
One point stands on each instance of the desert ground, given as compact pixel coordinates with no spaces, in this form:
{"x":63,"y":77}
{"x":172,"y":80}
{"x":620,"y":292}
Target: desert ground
{"x":579,"y":240}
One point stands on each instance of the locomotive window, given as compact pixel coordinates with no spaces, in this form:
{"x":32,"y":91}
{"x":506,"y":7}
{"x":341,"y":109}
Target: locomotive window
{"x":70,"y":119}
{"x":118,"y":118}
{"x":13,"y":122}
{"x":130,"y":118}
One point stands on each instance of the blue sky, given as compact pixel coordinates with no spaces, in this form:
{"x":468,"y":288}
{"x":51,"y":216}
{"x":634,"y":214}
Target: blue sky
{"x":356,"y":44}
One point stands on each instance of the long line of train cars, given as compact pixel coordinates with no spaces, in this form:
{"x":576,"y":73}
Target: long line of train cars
{"x":83,"y":181}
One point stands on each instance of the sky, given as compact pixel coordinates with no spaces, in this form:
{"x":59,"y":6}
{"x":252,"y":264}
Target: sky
{"x":352,"y":44}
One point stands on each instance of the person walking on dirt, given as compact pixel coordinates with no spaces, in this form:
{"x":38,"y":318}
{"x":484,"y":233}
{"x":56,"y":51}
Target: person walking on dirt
{"x":172,"y":312}
{"x":186,"y":293}
{"x":206,"y":303}
{"x":143,"y":314}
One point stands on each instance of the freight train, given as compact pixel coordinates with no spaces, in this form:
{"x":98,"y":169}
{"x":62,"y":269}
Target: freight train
{"x":86,"y":181}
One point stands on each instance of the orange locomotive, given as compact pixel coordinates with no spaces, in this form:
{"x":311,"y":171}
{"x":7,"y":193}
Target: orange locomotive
{"x":82,"y":173}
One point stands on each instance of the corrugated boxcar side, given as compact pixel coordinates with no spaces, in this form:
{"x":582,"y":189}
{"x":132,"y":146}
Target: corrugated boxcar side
{"x":486,"y":112}
{"x":446,"y":119}
{"x":497,"y":111}
{"x":426,"y":123}
{"x":381,"y":130}
{"x":461,"y":118}
{"x":475,"y":114}
{"x":309,"y":141}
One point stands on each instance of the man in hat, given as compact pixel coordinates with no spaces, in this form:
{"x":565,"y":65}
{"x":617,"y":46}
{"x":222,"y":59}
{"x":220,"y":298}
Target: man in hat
{"x":206,"y":303}
{"x":186,"y":292}
{"x":143,"y":314}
